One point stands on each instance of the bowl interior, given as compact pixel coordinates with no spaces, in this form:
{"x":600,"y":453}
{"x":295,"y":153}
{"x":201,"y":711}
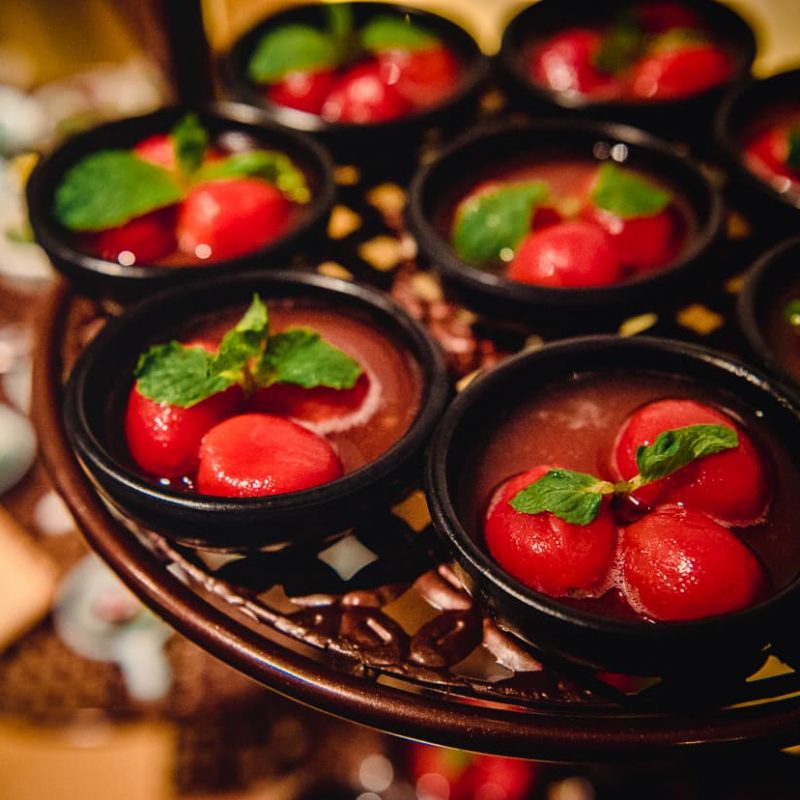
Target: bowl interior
{"x":565,"y":401}
{"x":773,"y":283}
{"x":234,"y":127}
{"x":474,"y":65}
{"x":548,"y":17}
{"x":102,"y":379}
{"x":439,"y":187}
{"x":755,"y":107}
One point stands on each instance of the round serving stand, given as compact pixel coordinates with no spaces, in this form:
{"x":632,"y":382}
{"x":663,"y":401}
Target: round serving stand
{"x":398,"y":644}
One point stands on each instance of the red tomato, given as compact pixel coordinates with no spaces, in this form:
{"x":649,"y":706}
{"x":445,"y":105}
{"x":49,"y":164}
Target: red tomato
{"x":362,"y":95}
{"x":641,"y":243}
{"x":568,"y":254}
{"x":679,"y":564}
{"x":564,"y":63}
{"x":660,"y":17}
{"x":252,"y":455}
{"x":423,"y":77}
{"x":230,"y":217}
{"x":144,"y":239}
{"x":164,"y":439}
{"x":305,"y":91}
{"x":543,"y":551}
{"x":680,"y":73}
{"x":732,"y":487}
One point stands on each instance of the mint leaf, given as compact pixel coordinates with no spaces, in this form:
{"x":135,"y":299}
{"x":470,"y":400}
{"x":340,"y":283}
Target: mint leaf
{"x":189,"y":140}
{"x":792,"y":313}
{"x":178,"y":375}
{"x":572,"y":496}
{"x":340,"y":20}
{"x":676,"y":39}
{"x":793,"y":152}
{"x":620,"y":46}
{"x":300,"y":356}
{"x":626,"y":194}
{"x":293,"y":48}
{"x":496,"y":220}
{"x":110,"y":188}
{"x":395,"y":33}
{"x":676,"y":448}
{"x":271,"y":165}
{"x":245,"y":341}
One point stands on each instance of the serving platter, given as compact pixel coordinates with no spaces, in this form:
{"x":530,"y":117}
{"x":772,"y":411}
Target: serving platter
{"x":375,"y":627}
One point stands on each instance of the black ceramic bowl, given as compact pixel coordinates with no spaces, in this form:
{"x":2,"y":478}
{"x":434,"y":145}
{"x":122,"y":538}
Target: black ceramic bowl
{"x":687,"y":117}
{"x":98,"y":276}
{"x":102,"y":378}
{"x":771,"y":283}
{"x":567,"y":631}
{"x":375,"y":140}
{"x":775,"y":208}
{"x":439,"y":185}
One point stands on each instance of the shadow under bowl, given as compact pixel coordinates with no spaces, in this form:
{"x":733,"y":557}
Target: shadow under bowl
{"x":378,"y":142}
{"x":437,"y":187}
{"x":565,"y":631}
{"x":93,"y":275}
{"x":686,"y":118}
{"x":102,"y":378}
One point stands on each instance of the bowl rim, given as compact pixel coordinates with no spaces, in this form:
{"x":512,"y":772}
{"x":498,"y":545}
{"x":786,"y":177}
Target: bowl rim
{"x":443,"y":256}
{"x":508,"y":56}
{"x":434,"y":391}
{"x":478,"y":562}
{"x":726,"y":138}
{"x":55,"y":240}
{"x":748,"y":300}
{"x":240,"y":49}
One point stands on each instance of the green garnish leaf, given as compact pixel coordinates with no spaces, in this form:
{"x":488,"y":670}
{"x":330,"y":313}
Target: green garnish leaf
{"x":676,"y":448}
{"x":189,"y":140}
{"x":110,"y":188}
{"x":181,"y":376}
{"x":792,"y":313}
{"x":576,"y":496}
{"x":572,"y":496}
{"x":247,"y":340}
{"x":620,"y":46}
{"x":271,"y":165}
{"x":793,"y":152}
{"x":390,"y":33}
{"x":626,"y":194}
{"x":676,"y":39}
{"x":340,"y":20}
{"x":498,"y":219}
{"x":293,"y":48}
{"x":300,"y":356}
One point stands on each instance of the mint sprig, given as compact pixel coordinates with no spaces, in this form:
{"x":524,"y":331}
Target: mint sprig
{"x":620,"y":45}
{"x":576,"y":497}
{"x":109,"y":188}
{"x":248,"y":356}
{"x":271,"y":165}
{"x":395,"y":33}
{"x":498,"y":219}
{"x":293,"y":48}
{"x":793,"y":149}
{"x":626,"y":194}
{"x":792,"y":313}
{"x":112,"y":187}
{"x":190,"y":141}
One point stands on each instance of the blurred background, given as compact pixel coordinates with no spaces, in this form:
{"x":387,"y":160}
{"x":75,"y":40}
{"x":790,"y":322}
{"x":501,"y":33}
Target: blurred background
{"x":98,"y":698}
